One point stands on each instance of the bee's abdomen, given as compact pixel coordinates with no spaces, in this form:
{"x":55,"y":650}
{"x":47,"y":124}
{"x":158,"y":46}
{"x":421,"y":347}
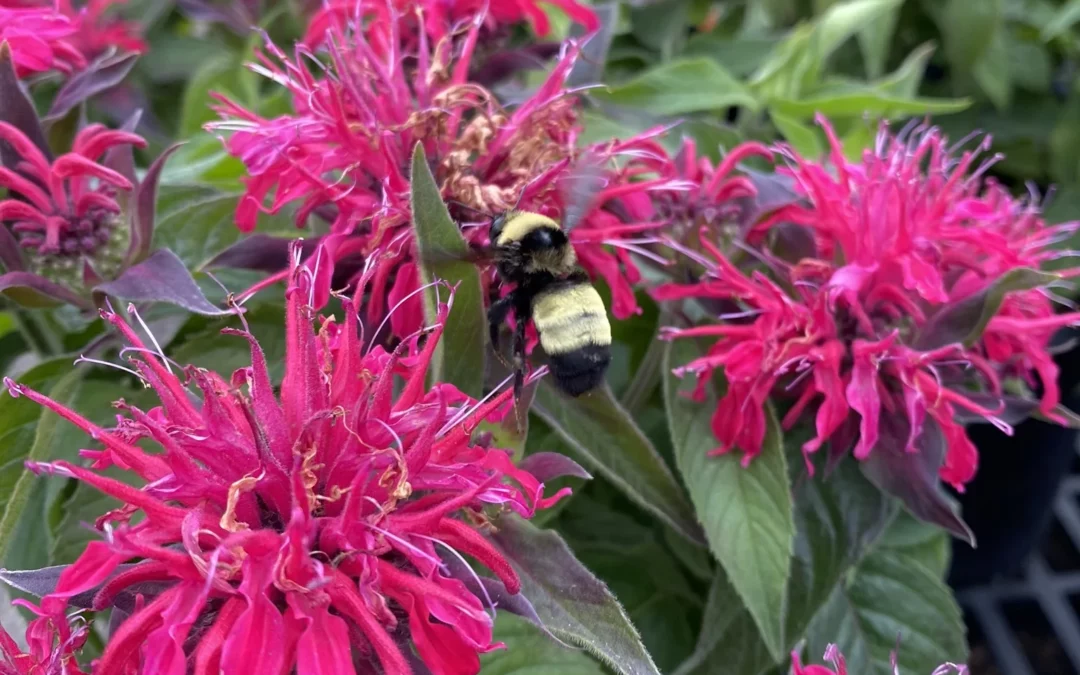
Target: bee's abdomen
{"x":574,"y":331}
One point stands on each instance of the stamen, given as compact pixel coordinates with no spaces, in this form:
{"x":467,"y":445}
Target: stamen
{"x":160,"y":352}
{"x":472,"y":572}
{"x":86,"y":359}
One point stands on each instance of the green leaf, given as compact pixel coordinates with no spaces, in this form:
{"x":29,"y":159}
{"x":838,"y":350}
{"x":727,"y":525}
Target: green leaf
{"x":459,"y":358}
{"x":224,"y":354}
{"x":642,"y":574}
{"x":890,"y":594}
{"x":858,"y":103}
{"x":601,"y":432}
{"x":729,"y":643}
{"x":842,"y":20}
{"x":802,"y":137}
{"x":680,"y":87}
{"x":47,"y":425}
{"x":203,"y":159}
{"x":968,"y":27}
{"x":740,"y":56}
{"x":838,"y":518}
{"x":530,"y":652}
{"x":905,"y":80}
{"x":964,"y":321}
{"x":993,"y":71}
{"x":746,"y":511}
{"x":875,"y":39}
{"x":572,"y":603}
{"x":1065,"y":18}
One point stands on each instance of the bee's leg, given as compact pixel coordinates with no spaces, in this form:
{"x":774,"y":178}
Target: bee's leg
{"x":496,"y":315}
{"x":519,"y":354}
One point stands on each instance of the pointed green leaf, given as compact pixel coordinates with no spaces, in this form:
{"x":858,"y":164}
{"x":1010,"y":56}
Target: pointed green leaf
{"x":682,"y":86}
{"x":867,"y":101}
{"x":15,"y":415}
{"x":730,"y":643}
{"x":746,"y":511}
{"x":573,"y":605}
{"x":965,"y":321}
{"x":604,"y":435}
{"x":530,"y":652}
{"x":459,"y":358}
{"x":891,"y":593}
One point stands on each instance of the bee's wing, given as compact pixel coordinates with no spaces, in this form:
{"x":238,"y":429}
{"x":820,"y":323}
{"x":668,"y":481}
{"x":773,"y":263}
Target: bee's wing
{"x":581,"y":189}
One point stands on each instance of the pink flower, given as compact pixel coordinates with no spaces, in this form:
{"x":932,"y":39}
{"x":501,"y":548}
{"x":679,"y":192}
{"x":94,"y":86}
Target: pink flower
{"x":839,"y":667}
{"x":345,"y":153}
{"x":864,"y":327}
{"x":65,"y":213}
{"x":306,"y":532}
{"x":45,"y":35}
{"x":40,"y":39}
{"x":52,"y":648}
{"x":439,"y":15}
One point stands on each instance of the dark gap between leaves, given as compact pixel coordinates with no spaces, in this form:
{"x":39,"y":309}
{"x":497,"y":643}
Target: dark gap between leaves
{"x":1060,"y":550}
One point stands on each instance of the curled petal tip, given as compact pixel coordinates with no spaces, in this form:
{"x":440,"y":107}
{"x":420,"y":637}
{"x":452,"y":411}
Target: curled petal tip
{"x":13,"y":387}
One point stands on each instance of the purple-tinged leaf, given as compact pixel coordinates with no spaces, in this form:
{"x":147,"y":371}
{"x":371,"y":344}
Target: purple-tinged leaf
{"x":121,"y":158}
{"x":10,"y":256}
{"x":571,"y":603}
{"x":102,"y":74}
{"x":503,"y":65}
{"x":488,"y":588}
{"x":912,"y":477}
{"x":773,"y":191}
{"x":589,"y":68}
{"x":964,"y":321}
{"x":32,"y":290}
{"x":550,"y":465}
{"x":236,"y":15}
{"x":162,"y":278}
{"x":41,"y":582}
{"x":1014,"y":409}
{"x":262,"y":253}
{"x":17,"y":109}
{"x":142,"y":223}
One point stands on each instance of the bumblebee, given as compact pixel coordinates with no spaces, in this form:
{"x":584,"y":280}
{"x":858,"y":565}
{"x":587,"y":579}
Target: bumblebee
{"x":534,"y":253}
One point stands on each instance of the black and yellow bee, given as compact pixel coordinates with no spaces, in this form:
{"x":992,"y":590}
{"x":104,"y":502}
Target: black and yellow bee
{"x":534,"y":253}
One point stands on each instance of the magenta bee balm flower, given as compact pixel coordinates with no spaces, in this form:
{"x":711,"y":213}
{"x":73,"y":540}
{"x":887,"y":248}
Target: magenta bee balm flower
{"x":305,"y":533}
{"x":890,"y":303}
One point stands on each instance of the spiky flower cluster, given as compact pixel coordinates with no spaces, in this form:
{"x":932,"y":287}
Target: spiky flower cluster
{"x":345,"y":152}
{"x":307,"y":532}
{"x":891,"y":300}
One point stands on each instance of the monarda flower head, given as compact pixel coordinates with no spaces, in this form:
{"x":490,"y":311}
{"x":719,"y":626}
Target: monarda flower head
{"x":52,"y":648}
{"x":839,"y":666}
{"x":888,"y":304}
{"x":345,"y":153}
{"x":56,"y":36}
{"x":305,"y":533}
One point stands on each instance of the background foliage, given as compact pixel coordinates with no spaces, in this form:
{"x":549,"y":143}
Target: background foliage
{"x":768,"y":567}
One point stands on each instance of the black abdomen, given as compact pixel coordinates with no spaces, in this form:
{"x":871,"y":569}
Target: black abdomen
{"x":580,"y":370}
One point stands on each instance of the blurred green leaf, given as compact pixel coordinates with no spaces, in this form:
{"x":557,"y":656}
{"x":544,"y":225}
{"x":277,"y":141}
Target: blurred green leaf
{"x":459,"y":357}
{"x":891,"y":593}
{"x":16,"y":416}
{"x":601,"y":432}
{"x":572,"y":603}
{"x":1065,"y":18}
{"x":905,"y":80}
{"x":197,"y":223}
{"x":203,"y":160}
{"x":856,"y":104}
{"x":740,"y":56}
{"x":224,"y":354}
{"x":682,"y":86}
{"x":968,"y":27}
{"x":875,"y":39}
{"x":993,"y":71}
{"x":746,"y":510}
{"x":530,"y":652}
{"x":803,"y":137}
{"x":661,"y":26}
{"x":842,"y":20}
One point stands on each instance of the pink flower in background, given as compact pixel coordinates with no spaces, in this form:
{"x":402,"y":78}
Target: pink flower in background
{"x":440,"y":15}
{"x":839,"y":667}
{"x":863,"y":301}
{"x":44,"y":35}
{"x":345,"y":153}
{"x":52,"y":648}
{"x":303,"y":532}
{"x":40,"y":39}
{"x":65,"y":213}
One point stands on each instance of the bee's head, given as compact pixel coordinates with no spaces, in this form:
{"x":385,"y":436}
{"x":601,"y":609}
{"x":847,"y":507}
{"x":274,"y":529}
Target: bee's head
{"x":497,"y":224}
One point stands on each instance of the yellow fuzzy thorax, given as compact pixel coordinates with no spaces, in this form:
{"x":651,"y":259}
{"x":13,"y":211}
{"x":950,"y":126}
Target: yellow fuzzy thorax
{"x":520,"y":223}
